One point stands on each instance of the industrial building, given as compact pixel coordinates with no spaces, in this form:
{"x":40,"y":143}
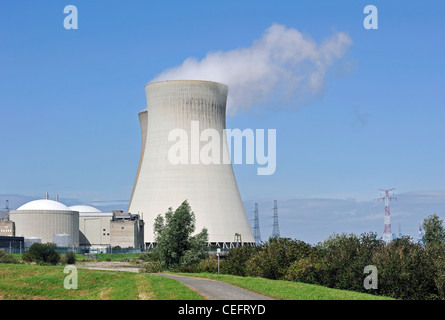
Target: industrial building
{"x":10,"y":244}
{"x":94,"y":227}
{"x":127,"y":230}
{"x":7,"y":227}
{"x":83,"y":227}
{"x":42,"y":219}
{"x":210,"y":188}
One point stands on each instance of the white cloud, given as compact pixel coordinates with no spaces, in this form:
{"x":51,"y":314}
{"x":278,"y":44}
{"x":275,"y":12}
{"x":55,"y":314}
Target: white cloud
{"x":283,"y":63}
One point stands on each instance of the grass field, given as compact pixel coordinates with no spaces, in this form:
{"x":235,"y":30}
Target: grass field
{"x":287,"y":290}
{"x":32,"y":282}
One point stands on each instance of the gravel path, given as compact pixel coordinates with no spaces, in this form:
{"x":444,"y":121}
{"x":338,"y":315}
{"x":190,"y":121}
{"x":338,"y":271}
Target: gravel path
{"x":216,"y":290}
{"x":109,"y":266}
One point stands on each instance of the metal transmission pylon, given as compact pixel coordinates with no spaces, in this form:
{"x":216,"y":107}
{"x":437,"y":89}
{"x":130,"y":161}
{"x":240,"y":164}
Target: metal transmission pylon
{"x":276,"y":227}
{"x":256,"y":226}
{"x":387,"y":234}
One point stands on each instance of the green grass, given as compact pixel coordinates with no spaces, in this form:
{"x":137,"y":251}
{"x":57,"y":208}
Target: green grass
{"x":287,"y":290}
{"x":100,"y":256}
{"x":116,"y":256}
{"x":32,"y":282}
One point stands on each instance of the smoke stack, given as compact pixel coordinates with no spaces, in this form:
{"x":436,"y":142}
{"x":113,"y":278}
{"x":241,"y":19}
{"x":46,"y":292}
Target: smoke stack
{"x":210,"y":189}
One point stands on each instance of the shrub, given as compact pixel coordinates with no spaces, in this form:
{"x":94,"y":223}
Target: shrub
{"x":405,"y":271}
{"x":234,"y":262}
{"x":344,"y":258}
{"x":70,"y":257}
{"x":151,"y":267}
{"x":209,"y":265}
{"x":42,"y":253}
{"x":307,"y":270}
{"x":275,"y":257}
{"x":7,"y":258}
{"x":436,"y":256}
{"x":258,"y":265}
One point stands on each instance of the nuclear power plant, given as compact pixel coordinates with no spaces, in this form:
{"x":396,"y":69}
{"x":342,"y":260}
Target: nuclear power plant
{"x":175,"y":111}
{"x":182,"y":118}
{"x":79,"y":228}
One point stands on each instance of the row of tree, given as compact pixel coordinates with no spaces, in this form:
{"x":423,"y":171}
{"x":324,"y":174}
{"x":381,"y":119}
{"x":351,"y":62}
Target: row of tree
{"x":405,"y":269}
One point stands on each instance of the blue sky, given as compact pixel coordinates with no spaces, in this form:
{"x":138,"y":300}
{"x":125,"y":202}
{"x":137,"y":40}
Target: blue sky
{"x":69,"y":101}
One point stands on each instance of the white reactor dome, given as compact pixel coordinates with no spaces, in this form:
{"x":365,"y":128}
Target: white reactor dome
{"x":44,"y":204}
{"x":85,"y":209}
{"x":44,"y":218}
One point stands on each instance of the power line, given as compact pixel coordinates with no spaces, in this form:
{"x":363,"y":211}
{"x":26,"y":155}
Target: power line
{"x":256,"y":226}
{"x":387,"y":234}
{"x":276,"y":227}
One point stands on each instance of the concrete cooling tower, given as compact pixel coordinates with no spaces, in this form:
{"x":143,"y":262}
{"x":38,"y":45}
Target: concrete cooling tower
{"x":177,"y":112}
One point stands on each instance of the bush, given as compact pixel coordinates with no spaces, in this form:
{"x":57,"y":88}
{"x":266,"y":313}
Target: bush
{"x":209,"y":265}
{"x":42,"y":253}
{"x":307,"y":270}
{"x":234,"y":262}
{"x":405,"y":271}
{"x":344,"y":258}
{"x":7,"y":258}
{"x":70,"y":257}
{"x":436,"y":256}
{"x":275,"y":257}
{"x":151,"y":267}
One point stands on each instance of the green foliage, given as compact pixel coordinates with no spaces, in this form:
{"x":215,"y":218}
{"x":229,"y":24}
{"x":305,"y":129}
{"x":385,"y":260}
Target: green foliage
{"x":70,"y":257}
{"x":42,"y":253}
{"x":436,"y":254}
{"x":152,"y":263}
{"x":175,"y":245}
{"x":275,"y":258}
{"x":344,"y":258}
{"x":209,"y":265}
{"x":434,"y":230}
{"x":235,"y":261}
{"x":307,"y":270}
{"x":404,"y":270}
{"x":7,"y":258}
{"x":153,"y":266}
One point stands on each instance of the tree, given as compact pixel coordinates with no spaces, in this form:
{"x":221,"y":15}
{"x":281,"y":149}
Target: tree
{"x":175,"y":244}
{"x":434,"y":230}
{"x":405,"y":270}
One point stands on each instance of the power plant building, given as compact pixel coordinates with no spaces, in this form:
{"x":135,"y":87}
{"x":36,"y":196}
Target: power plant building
{"x":94,"y":226}
{"x":42,"y":219}
{"x":7,"y":227}
{"x":177,"y":113}
{"x":127,"y":231}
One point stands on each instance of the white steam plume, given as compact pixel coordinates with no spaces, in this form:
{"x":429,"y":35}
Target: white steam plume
{"x":282,"y":64}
